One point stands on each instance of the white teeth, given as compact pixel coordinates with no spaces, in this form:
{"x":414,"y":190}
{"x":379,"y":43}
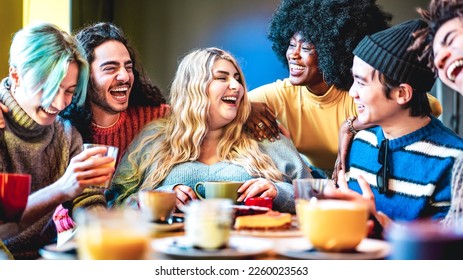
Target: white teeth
{"x":451,"y":69}
{"x":297,"y":67}
{"x":120,"y":89}
{"x":229,"y":98}
{"x":50,"y":111}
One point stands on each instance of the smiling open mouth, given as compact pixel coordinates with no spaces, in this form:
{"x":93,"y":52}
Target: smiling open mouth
{"x":229,"y":99}
{"x":454,"y":69}
{"x":50,"y":112}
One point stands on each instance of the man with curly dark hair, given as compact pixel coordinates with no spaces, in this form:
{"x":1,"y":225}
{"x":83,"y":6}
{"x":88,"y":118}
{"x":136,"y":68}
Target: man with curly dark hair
{"x":443,"y":44}
{"x":121,"y":100}
{"x":315,"y":38}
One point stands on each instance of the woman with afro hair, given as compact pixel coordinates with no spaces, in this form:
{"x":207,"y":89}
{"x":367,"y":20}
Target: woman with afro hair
{"x":315,"y":39}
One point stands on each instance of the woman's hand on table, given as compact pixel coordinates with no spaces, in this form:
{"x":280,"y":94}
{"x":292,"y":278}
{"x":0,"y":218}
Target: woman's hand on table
{"x":184,"y":195}
{"x":257,"y":187}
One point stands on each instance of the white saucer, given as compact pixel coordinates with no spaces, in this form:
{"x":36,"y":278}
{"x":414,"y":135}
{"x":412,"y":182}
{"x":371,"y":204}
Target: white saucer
{"x":300,"y":248}
{"x":239,"y":247}
{"x":66,"y":251}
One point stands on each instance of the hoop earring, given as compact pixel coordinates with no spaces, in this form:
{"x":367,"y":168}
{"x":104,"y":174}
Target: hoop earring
{"x":323,"y":76}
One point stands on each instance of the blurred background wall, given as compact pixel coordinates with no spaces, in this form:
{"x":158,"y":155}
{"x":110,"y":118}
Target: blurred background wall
{"x":164,"y":30}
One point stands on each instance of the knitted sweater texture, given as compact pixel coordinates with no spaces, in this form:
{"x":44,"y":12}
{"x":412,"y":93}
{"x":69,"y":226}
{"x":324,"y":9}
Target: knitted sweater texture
{"x":127,"y":127}
{"x":420,"y":167}
{"x":42,"y":151}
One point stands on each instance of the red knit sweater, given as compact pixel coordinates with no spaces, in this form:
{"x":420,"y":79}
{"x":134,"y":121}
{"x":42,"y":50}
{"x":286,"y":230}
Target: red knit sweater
{"x":127,"y":127}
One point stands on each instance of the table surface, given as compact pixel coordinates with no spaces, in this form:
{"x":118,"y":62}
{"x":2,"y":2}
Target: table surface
{"x":281,"y":241}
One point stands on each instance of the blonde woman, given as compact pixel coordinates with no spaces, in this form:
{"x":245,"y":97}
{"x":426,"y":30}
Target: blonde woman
{"x":203,"y":140}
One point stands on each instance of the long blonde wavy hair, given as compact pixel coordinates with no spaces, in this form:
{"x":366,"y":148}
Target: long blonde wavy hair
{"x":179,"y":136}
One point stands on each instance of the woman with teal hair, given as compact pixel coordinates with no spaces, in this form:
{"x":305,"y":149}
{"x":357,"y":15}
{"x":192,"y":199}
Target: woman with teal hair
{"x":47,"y":71}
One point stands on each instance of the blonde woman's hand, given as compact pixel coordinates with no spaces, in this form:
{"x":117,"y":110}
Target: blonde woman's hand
{"x":184,"y":195}
{"x":84,"y":170}
{"x":257,"y":187}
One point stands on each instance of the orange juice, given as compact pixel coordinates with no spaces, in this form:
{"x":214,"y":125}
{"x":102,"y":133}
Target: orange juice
{"x":98,"y":243}
{"x":106,"y":183}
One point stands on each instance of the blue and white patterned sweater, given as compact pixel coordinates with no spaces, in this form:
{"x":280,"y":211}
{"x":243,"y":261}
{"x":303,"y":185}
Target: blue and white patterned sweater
{"x":420,"y":169}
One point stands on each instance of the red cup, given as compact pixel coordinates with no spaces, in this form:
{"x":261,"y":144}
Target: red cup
{"x":14,"y":192}
{"x":259,"y":201}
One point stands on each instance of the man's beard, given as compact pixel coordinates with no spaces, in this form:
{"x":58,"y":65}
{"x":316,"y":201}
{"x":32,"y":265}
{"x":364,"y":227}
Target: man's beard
{"x":102,"y":102}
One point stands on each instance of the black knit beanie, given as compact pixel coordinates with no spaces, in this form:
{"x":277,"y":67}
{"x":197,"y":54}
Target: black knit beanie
{"x":386,"y":51}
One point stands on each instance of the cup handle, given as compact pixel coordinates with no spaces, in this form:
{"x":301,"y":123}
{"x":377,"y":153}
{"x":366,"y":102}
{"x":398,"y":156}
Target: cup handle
{"x":195,"y":189}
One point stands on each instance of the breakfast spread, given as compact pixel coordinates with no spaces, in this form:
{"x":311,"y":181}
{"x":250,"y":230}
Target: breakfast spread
{"x":271,"y":220}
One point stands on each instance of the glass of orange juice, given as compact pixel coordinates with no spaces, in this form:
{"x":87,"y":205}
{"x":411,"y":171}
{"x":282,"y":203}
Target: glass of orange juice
{"x":111,"y":151}
{"x":111,"y":234}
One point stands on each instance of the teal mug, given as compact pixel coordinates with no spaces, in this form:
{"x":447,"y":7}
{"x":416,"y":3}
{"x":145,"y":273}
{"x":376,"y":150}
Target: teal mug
{"x":219,"y":189}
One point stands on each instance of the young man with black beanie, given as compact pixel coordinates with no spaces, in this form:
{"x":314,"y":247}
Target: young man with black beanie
{"x":408,"y":156}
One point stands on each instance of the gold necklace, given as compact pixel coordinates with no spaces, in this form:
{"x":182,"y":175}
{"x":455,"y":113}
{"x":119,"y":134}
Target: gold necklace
{"x":111,"y":125}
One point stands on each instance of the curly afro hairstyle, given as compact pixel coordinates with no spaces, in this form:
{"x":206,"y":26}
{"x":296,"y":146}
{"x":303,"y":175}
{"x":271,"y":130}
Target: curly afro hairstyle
{"x":335,"y":27}
{"x":437,"y":14}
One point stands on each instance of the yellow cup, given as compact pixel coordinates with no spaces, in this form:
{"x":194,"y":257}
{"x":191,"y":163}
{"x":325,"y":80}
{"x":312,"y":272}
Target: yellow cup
{"x":306,"y":189}
{"x":111,"y":235}
{"x":334,"y":225}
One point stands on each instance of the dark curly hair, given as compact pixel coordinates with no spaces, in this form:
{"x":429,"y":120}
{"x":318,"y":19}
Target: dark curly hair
{"x":438,"y":13}
{"x":143,"y":92}
{"x":335,"y":27}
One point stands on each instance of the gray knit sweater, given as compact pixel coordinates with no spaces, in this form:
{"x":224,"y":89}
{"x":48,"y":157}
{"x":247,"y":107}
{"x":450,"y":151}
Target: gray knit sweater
{"x":283,"y":154}
{"x":42,"y":151}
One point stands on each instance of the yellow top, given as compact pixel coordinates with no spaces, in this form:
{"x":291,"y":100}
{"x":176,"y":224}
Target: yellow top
{"x":313,"y":121}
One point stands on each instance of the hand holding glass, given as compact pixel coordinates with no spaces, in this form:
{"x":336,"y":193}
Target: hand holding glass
{"x":111,"y":151}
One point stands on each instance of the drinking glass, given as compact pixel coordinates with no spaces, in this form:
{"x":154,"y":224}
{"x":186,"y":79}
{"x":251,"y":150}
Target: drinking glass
{"x":111,"y":151}
{"x":111,"y":234}
{"x":208,"y":223}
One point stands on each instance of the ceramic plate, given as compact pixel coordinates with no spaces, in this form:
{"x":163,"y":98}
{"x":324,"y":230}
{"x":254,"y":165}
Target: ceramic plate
{"x":300,"y":248}
{"x":66,"y":251}
{"x":239,"y":247}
